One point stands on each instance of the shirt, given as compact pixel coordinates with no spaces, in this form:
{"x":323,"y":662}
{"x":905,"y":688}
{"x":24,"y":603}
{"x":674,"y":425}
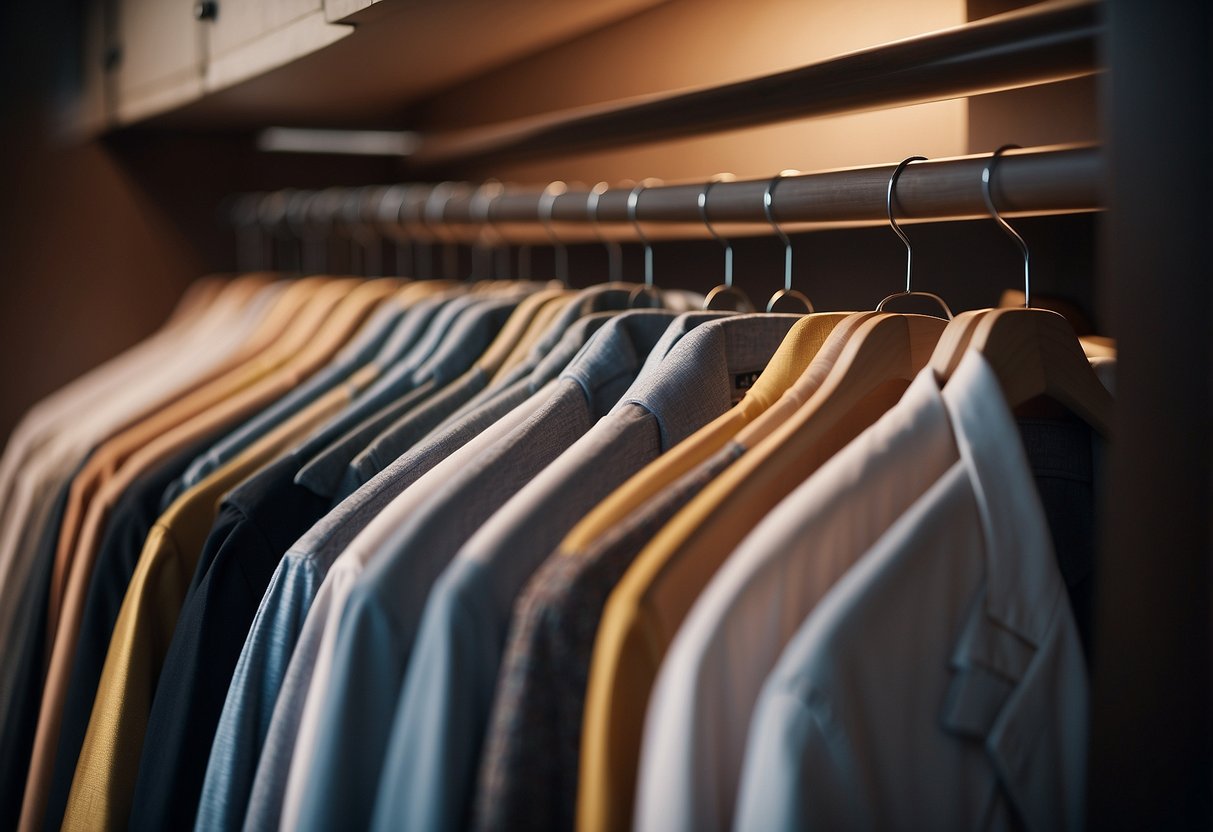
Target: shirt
{"x":133,"y":517}
{"x":678,"y":562}
{"x":257,"y":523}
{"x":444,"y":706}
{"x":369,"y":341}
{"x":697,"y":717}
{"x":260,"y":671}
{"x":313,"y":651}
{"x":103,"y":786}
{"x":384,"y":610}
{"x":983,"y":724}
{"x":453,"y":342}
{"x":531,"y":783}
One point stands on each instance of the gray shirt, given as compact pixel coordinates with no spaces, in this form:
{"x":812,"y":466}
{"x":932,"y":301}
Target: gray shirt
{"x":429,"y":778}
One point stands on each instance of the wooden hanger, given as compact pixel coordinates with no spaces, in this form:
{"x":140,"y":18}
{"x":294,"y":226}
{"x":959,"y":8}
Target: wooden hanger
{"x":1034,"y":352}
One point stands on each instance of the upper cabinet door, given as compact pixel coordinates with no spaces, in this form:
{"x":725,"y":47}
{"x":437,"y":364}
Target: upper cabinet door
{"x":249,"y":37}
{"x":160,"y":61}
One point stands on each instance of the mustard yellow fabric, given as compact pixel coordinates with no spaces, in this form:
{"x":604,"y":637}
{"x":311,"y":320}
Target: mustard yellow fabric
{"x":516,"y":327}
{"x":647,"y":606}
{"x":539,"y":326}
{"x":789,"y":362}
{"x":104,"y":783}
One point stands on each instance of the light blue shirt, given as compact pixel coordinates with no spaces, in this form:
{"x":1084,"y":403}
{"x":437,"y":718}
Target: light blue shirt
{"x":260,"y":674}
{"x":380,"y":619}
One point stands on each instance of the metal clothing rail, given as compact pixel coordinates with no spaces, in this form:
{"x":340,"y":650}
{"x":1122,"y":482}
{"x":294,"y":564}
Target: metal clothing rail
{"x":1047,"y":42}
{"x":1028,"y":181}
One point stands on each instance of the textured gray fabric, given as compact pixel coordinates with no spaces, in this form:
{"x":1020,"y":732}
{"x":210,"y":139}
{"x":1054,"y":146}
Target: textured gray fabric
{"x":528,"y":771}
{"x":444,"y":707}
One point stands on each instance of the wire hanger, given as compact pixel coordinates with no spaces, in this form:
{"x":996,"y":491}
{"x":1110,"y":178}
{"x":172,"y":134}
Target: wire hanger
{"x":560,"y":252}
{"x":889,"y":199}
{"x":726,"y":289}
{"x":768,"y":208}
{"x":613,"y":250}
{"x":1034,"y":352}
{"x":483,"y":247}
{"x":648,"y":290}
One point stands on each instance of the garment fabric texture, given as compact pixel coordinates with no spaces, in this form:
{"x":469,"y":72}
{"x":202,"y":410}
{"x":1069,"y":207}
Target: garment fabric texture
{"x":102,"y":789}
{"x":450,"y":346}
{"x":133,"y":517}
{"x":445,"y":704}
{"x":25,"y":664}
{"x":381,"y":616}
{"x":313,"y":651}
{"x":257,"y":523}
{"x":854,"y":728}
{"x":529,"y":773}
{"x":359,"y":352}
{"x":272,"y":638}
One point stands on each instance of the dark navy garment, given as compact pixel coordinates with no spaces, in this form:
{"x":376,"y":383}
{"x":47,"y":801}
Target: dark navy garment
{"x":257,"y":523}
{"x":18,"y":724}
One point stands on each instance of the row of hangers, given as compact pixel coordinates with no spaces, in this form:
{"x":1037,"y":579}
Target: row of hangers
{"x":1034,"y":352}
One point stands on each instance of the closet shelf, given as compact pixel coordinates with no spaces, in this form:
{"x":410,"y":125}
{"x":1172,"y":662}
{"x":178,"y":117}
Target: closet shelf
{"x":1044,"y":43}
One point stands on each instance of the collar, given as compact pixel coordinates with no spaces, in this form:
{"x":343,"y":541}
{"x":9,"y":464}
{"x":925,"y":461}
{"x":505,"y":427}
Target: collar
{"x":693,"y":383}
{"x":616,"y":350}
{"x":1019,"y":552}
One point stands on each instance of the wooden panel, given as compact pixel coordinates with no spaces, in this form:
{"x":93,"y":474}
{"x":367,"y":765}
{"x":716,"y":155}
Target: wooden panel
{"x":273,"y":49}
{"x":398,"y":52}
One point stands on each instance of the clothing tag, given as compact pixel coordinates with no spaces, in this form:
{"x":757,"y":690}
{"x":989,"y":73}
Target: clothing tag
{"x":744,"y":381}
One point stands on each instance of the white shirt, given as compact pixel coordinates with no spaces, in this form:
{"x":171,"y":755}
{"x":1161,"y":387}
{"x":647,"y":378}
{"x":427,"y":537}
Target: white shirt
{"x":940,"y":684}
{"x":699,"y":713}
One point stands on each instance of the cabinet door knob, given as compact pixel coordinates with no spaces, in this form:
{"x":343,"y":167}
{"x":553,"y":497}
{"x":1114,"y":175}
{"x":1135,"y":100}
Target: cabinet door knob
{"x":206,"y":10}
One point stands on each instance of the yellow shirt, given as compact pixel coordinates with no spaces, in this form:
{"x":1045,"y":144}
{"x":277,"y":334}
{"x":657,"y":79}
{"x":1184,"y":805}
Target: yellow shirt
{"x":104,"y":783}
{"x":645,"y":610}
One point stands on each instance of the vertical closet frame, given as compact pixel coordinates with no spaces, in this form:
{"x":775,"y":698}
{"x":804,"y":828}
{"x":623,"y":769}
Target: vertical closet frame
{"x":1152,"y":705}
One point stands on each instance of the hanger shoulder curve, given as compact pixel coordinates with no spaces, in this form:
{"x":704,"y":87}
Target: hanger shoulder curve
{"x":1035,"y":352}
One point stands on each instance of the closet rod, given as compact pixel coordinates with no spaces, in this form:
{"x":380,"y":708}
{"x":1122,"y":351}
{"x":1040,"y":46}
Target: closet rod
{"x":1047,"y":42}
{"x":1050,"y":180}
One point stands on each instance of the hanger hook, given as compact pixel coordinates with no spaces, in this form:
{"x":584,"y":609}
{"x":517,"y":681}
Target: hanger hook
{"x":726,"y":288}
{"x":481,"y":205}
{"x":547,"y":202}
{"x":889,"y":198}
{"x":614,"y":256}
{"x":437,"y":217}
{"x":987,"y":177}
{"x":768,"y":208}
{"x":633,"y":202}
{"x":703,"y":215}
